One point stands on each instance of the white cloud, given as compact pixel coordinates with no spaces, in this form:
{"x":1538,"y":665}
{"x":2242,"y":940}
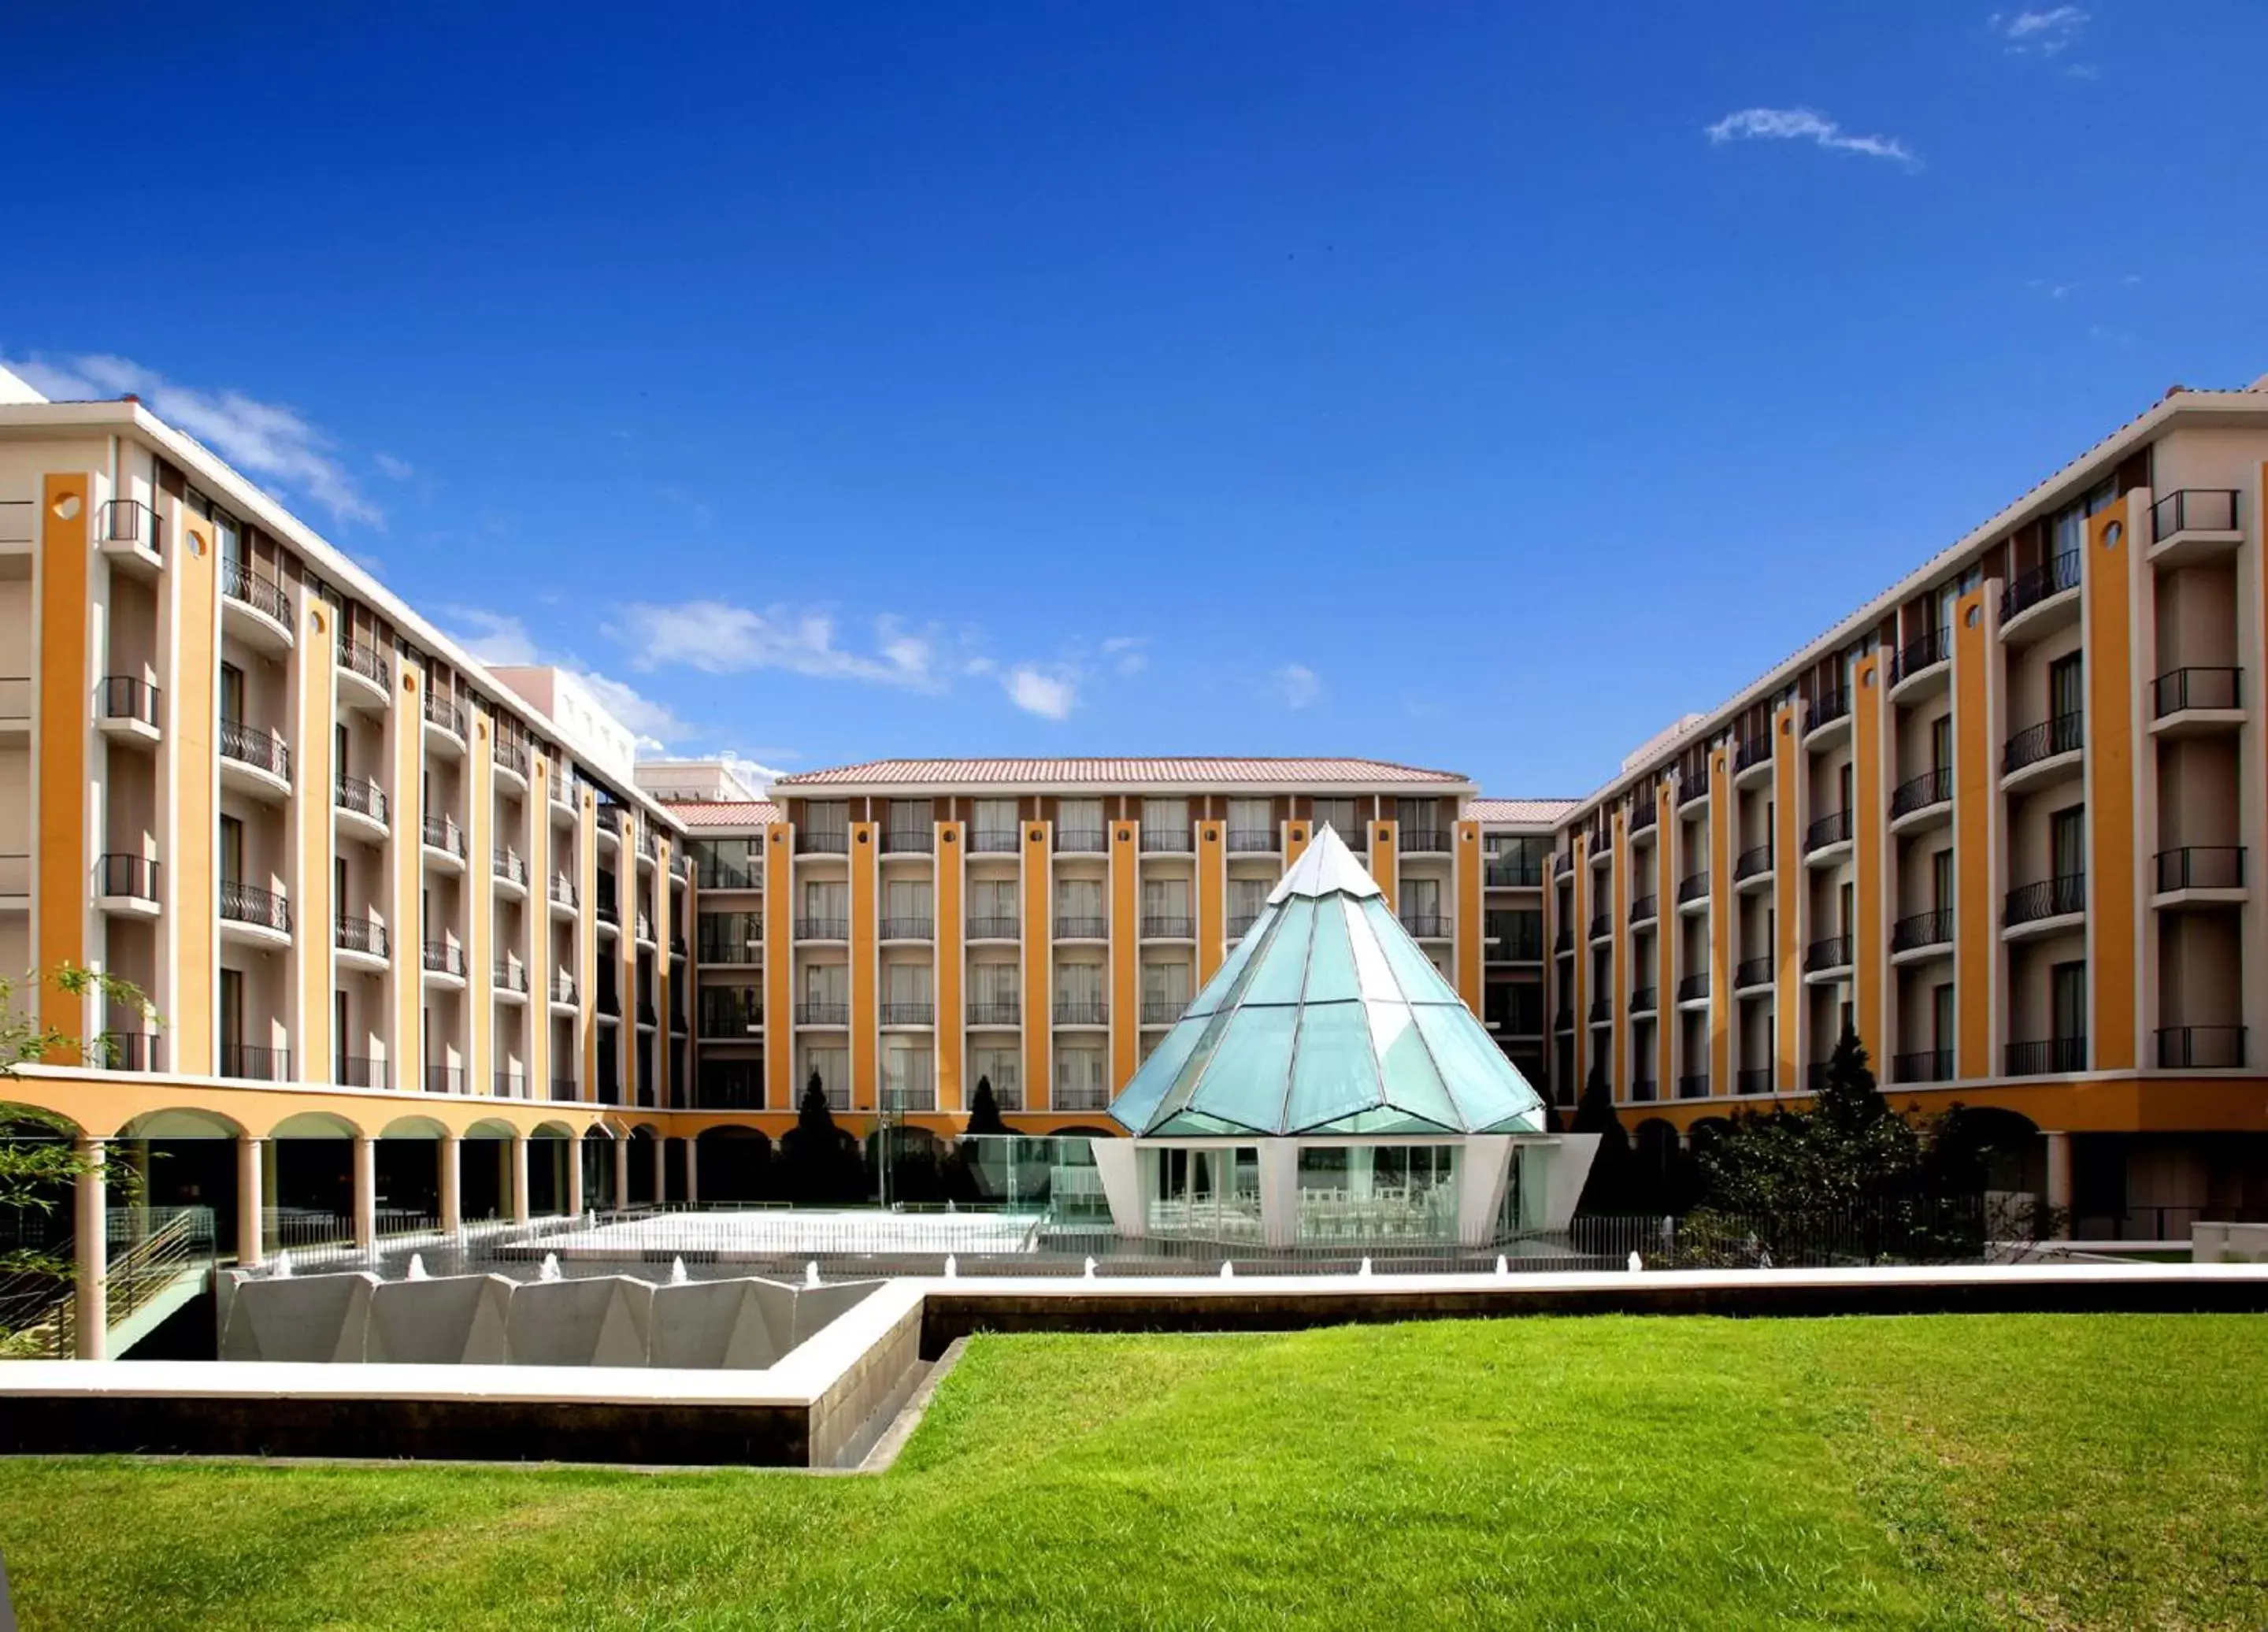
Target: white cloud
{"x":2040,"y":34}
{"x":265,"y":439}
{"x":399,"y":470}
{"x":654,"y":722}
{"x":1125,"y":655}
{"x":499,"y":639}
{"x":750,"y":773}
{"x":1804,"y":124}
{"x":1052,"y":696}
{"x":720,"y":638}
{"x":1295,"y":685}
{"x":491,"y":637}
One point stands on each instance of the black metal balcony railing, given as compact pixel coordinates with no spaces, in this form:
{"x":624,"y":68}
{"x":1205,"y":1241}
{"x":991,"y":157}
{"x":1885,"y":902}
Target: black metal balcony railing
{"x":563,"y":1091}
{"x":1071,"y":1011}
{"x":2062,"y":734}
{"x":1692,"y":787}
{"x":2181,"y":689}
{"x":1080,"y":1097}
{"x":445,"y":1079}
{"x":1167,"y":927}
{"x":1692,"y":988}
{"x":747,"y":948}
{"x":130,"y":521}
{"x":823,"y":1012}
{"x":2043,"y":582}
{"x":1834,"y":952}
{"x":444,"y":957}
{"x":823,"y":841}
{"x":648,"y":1015}
{"x":510,"y":975}
{"x":1752,"y":971}
{"x":443,"y":834}
{"x":512,"y":756}
{"x":2201,"y":866}
{"x":1921,"y":792}
{"x":1423,"y":841}
{"x":909,"y":841}
{"x":2200,"y":1048}
{"x":1426,"y":925}
{"x":262,"y":594}
{"x":1919,"y":656}
{"x":608,"y":1005}
{"x":1643,"y":999}
{"x":561,"y":986}
{"x":133,"y":1050}
{"x":1834,"y":828}
{"x":1512,"y":872}
{"x":1251,"y":840}
{"x":1751,"y":862}
{"x":908,"y":929}
{"x":822,"y":929}
{"x":447,"y":712}
{"x":1754,"y":1080}
{"x":1000,"y":1012}
{"x":677,"y":947}
{"x":1073,"y":841}
{"x":1082,"y":929}
{"x":2050,"y":897}
{"x":1520,"y":941}
{"x":1922,"y":929}
{"x":1928,"y":1065}
{"x":2199,"y":509}
{"x":1564,"y":1021}
{"x":2058,"y":1054}
{"x":241,"y":903}
{"x":1753,"y":751}
{"x":510,"y":1085}
{"x":562,"y":891}
{"x":361,"y":1071}
{"x":908,"y":1014}
{"x":262,"y":750}
{"x":509,"y":866}
{"x":721,"y":1021}
{"x":1643,"y":816}
{"x":366,"y":935}
{"x":995,"y":927}
{"x":359,"y":657}
{"x":132,"y":876}
{"x":1645,"y":908}
{"x":1644,"y":1090}
{"x":993,"y":841}
{"x":1603,"y":1008}
{"x":1562,"y":864}
{"x":127,"y":696}
{"x":1565,"y":941}
{"x":1169,"y":841}
{"x":1239,"y":923}
{"x":1692,"y":886}
{"x":1827,"y":707}
{"x":713,"y":873}
{"x":1693,"y":1085}
{"x":606,"y":909}
{"x":361,"y":796}
{"x":255,"y":1064}
{"x":1603,"y":925}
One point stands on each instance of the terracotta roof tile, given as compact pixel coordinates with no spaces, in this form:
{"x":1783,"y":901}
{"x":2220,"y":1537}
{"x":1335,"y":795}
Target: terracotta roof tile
{"x":716,"y":813}
{"x":1133,"y":773}
{"x":1543,"y":811}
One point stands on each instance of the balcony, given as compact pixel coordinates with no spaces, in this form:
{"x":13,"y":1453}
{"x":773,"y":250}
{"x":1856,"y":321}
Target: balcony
{"x":128,"y":710}
{"x":1926,"y":657}
{"x":259,"y":761}
{"x":1426,"y":841}
{"x":1602,"y":1010}
{"x":1082,"y":929}
{"x":2210,"y":874}
{"x":1752,"y":864}
{"x":1602,"y":926}
{"x":2038,"y":907}
{"x":1001,"y":1012}
{"x":249,"y":1064}
{"x":914,"y":1096}
{"x":906,"y":841}
{"x":823,"y":929}
{"x":994,"y":841}
{"x":256,"y":606}
{"x":1692,"y":890}
{"x":1755,"y":753}
{"x":1829,"y":956}
{"x":560,"y":990}
{"x":509,"y":869}
{"x":1693,"y":1085}
{"x":1252,"y":841}
{"x":1644,"y":814}
{"x":511,"y":759}
{"x":734,"y":951}
{"x":360,"y":941}
{"x":1928,"y":1065}
{"x":562,"y":894}
{"x":1165,"y":841}
{"x":445,"y":843}
{"x":1928,"y":796}
{"x":1827,"y":837}
{"x":509,"y":1084}
{"x":131,"y":536}
{"x":1564,"y":1020}
{"x":1693,"y":988}
{"x":1753,"y":974}
{"x":1565,"y":941}
{"x":822,"y":841}
{"x":250,"y":914}
{"x":1562,"y":864}
{"x":1752,"y":1079}
{"x":1921,"y":933}
{"x":361,"y":1071}
{"x":1168,"y":926}
{"x":1645,"y":909}
{"x":509,"y":978}
{"x":1645,"y":1089}
{"x":648,"y":1016}
{"x":445,"y":1080}
{"x":1075,"y":841}
{"x":2196,"y":701}
{"x":1081,"y":1097}
{"x":444,"y":960}
{"x":1692,"y":790}
{"x":1828,"y":710}
{"x":823,"y":1012}
{"x":1644,"y":1000}
{"x":728,"y":1022}
{"x":365,"y":679}
{"x":910,"y":1014}
{"x":2192,"y":524}
{"x":445,"y":724}
{"x":2046,"y":752}
{"x":1082,"y":1012}
{"x":564,"y":1090}
{"x":1163,"y":1011}
{"x":1240,"y":925}
{"x":1428,"y":926}
{"x":996,"y":928}
{"x":361,"y":805}
{"x":2042,"y":599}
{"x":125,"y":885}
{"x":2201,"y":1048}
{"x":716,"y":873}
{"x":1512,"y":872}
{"x":2041,"y":1059}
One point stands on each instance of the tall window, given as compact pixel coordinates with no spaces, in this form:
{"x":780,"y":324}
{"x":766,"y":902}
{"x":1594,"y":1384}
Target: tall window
{"x":909,"y":819}
{"x":1337,"y":814}
{"x":1246,"y":898}
{"x":1003,"y":1068}
{"x":1941,"y":882}
{"x":905,"y":902}
{"x":1080,"y":983}
{"x":1418,"y":815}
{"x":826,"y":899}
{"x":995,"y":818}
{"x":993,"y":983}
{"x":1079,"y":901}
{"x":1165,"y":986}
{"x":1421,"y":898}
{"x":1079,"y":1076}
{"x":826,"y":983}
{"x":1252,"y":819}
{"x":1166,"y":815}
{"x":827,"y":817}
{"x":2066,"y":694}
{"x":1941,"y":742}
{"x":832,"y":1067}
{"x":2068,"y":842}
{"x":1083,"y":816}
{"x":1940,"y":1017}
{"x":231,"y":693}
{"x":906,"y":983}
{"x":2067,"y":988}
{"x":728,"y":863}
{"x":992,"y":897}
{"x":1165,"y":897}
{"x":231,"y":849}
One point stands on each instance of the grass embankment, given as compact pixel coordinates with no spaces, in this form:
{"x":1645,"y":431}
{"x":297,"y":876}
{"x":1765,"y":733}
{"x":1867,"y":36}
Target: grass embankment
{"x":2104,"y":1471}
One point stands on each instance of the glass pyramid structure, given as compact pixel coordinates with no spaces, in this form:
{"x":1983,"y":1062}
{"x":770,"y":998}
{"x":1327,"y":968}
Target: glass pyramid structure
{"x":1327,"y":1019}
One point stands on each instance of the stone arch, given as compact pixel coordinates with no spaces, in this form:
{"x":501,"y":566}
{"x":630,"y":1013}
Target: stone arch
{"x":413,"y":1127}
{"x":312,"y":1125}
{"x":180,"y":1122}
{"x":22,"y":1121}
{"x":735,"y":1163}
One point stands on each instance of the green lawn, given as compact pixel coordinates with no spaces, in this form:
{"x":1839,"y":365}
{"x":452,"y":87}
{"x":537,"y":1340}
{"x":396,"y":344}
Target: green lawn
{"x":2107,"y":1471}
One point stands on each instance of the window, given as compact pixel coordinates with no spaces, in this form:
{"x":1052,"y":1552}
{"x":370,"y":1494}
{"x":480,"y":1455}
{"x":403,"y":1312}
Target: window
{"x":1941,"y":742}
{"x":825,"y":983}
{"x":1079,"y":1078}
{"x":992,"y":898}
{"x":728,"y":863}
{"x":909,"y":818}
{"x":730,"y":937}
{"x":2071,"y":520}
{"x":2068,"y":842}
{"x":827,"y":818}
{"x":1337,"y":814}
{"x":2067,"y":988}
{"x":1940,"y":1018}
{"x":1165,"y":817}
{"x":1165,"y":897}
{"x":993,"y":983}
{"x":1246,"y":898}
{"x":1421,"y":898}
{"x":232,"y":851}
{"x":231,"y":694}
{"x":831,"y":1067}
{"x":1254,"y":818}
{"x":1083,"y":816}
{"x":1080,"y":983}
{"x":1418,"y":815}
{"x":2065,"y":693}
{"x":1842,"y":787}
{"x":906,"y":900}
{"x":995,"y":817}
{"x":1001,"y":1068}
{"x":1941,"y":882}
{"x":232,"y":1014}
{"x":1079,"y":900}
{"x":1165,"y":984}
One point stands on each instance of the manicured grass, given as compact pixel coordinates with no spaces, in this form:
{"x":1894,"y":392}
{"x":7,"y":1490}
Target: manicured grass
{"x":2105,"y":1471}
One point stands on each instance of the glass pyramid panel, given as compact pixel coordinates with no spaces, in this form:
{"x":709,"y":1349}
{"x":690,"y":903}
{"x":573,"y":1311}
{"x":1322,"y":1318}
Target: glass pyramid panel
{"x":1333,"y":1073}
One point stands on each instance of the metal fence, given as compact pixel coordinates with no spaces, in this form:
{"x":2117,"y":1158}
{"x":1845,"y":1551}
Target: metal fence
{"x":151,"y":1249}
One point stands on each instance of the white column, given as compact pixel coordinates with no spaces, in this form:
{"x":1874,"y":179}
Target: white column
{"x":452,"y":1158}
{"x":365,"y":1190}
{"x":692,"y":1172}
{"x":251,"y":1210}
{"x":2060,"y":1179}
{"x":660,"y":1170}
{"x":518,"y":1179}
{"x":622,"y":1173}
{"x":574,"y":1175}
{"x":91,"y":1222}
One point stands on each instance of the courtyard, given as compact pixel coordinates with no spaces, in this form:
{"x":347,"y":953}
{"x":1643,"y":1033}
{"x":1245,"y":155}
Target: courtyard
{"x":2063,"y":1471}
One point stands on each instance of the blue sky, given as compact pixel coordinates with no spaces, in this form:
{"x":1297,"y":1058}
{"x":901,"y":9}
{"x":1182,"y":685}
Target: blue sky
{"x":838,"y":381}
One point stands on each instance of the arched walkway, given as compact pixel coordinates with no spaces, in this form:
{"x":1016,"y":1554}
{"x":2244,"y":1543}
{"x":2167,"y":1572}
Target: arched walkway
{"x":733,"y":1164}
